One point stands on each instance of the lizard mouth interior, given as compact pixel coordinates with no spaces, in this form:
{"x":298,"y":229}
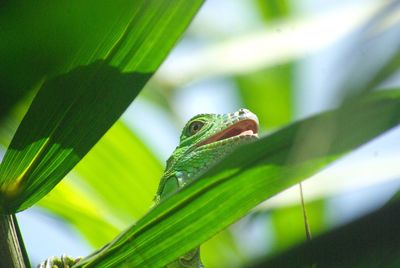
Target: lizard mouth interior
{"x":245,"y":127}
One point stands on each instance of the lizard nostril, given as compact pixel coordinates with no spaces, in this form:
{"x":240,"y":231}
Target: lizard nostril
{"x":242,"y":111}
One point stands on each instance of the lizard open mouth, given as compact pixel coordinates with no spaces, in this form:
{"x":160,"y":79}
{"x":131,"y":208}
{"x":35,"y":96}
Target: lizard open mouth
{"x":247,"y":127}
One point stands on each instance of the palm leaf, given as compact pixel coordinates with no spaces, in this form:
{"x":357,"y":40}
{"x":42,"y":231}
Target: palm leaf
{"x":72,"y":111}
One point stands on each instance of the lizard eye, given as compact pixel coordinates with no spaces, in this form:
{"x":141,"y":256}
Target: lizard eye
{"x":195,"y":127}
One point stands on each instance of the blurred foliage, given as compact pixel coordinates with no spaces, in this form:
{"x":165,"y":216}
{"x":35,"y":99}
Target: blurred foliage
{"x":288,"y":223}
{"x":274,"y":9}
{"x":76,"y":205}
{"x":365,"y":243}
{"x":268,"y":93}
{"x":222,"y":247}
{"x":373,"y":57}
{"x":272,"y":85}
{"x":115,"y":157}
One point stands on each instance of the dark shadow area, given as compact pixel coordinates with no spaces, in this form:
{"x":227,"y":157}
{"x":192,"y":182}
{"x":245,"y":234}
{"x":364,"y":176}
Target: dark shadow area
{"x":43,"y":39}
{"x":371,"y":241}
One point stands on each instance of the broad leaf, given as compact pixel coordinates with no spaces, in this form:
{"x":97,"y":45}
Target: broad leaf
{"x":250,"y":175}
{"x":121,"y":161}
{"x":109,"y":187}
{"x":72,"y":111}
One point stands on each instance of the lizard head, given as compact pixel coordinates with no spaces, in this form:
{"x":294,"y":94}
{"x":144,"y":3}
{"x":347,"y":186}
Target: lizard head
{"x":206,"y":138}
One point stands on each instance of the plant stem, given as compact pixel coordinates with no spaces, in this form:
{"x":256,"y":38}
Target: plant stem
{"x":306,"y":225}
{"x":303,"y":206}
{"x":12,"y":250}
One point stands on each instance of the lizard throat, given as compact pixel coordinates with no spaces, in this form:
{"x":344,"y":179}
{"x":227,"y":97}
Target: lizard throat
{"x":246,"y":127}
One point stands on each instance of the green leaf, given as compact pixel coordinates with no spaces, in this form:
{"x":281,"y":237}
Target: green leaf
{"x":250,"y":175}
{"x":371,"y":241}
{"x":110,"y":164}
{"x":85,"y":201}
{"x":72,"y":111}
{"x":66,"y":118}
{"x":41,"y":40}
{"x":124,"y":163}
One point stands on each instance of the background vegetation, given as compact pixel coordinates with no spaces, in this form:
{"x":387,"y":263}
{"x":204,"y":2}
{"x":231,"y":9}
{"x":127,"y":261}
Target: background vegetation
{"x":74,"y":68}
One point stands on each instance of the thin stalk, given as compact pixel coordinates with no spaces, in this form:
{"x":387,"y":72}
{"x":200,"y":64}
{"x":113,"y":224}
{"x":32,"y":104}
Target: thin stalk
{"x":12,"y":250}
{"x":303,"y":206}
{"x":306,"y":225}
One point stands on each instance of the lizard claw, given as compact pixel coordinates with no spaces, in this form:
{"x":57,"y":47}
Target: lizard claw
{"x":57,"y":262}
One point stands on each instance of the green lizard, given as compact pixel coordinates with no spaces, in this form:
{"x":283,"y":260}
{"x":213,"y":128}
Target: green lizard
{"x":205,"y":140}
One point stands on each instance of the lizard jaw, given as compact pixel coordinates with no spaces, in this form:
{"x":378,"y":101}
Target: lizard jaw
{"x":246,"y":127}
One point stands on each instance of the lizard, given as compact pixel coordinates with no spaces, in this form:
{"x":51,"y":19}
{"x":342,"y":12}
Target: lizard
{"x":205,"y":140}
